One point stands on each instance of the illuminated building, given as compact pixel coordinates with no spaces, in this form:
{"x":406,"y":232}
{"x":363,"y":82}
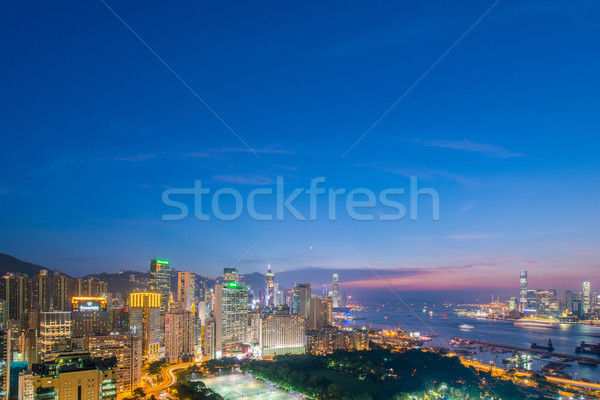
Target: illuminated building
{"x":41,"y":291}
{"x":89,"y":317}
{"x":335,"y":288}
{"x":523,"y":291}
{"x":326,"y":341}
{"x":269,"y":288}
{"x":180,"y":337}
{"x":127,"y":348}
{"x":209,"y":342}
{"x":302,"y":294}
{"x":186,"y":289}
{"x":5,"y":355}
{"x":281,"y":334}
{"x":90,"y":287}
{"x":144,"y":319}
{"x":55,"y":332}
{"x":231,"y":314}
{"x":15,"y":290}
{"x":75,"y":376}
{"x":62,"y":291}
{"x":160,"y":281}
{"x":586,"y":303}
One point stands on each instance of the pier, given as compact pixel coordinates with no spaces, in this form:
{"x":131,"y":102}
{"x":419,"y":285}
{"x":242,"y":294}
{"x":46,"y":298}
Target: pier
{"x":526,"y":349}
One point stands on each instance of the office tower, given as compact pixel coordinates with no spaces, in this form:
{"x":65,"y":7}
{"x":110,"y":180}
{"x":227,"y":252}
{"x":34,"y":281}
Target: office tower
{"x":231,"y":314}
{"x":326,"y":312}
{"x":321,"y":312}
{"x":269,"y":288}
{"x":89,"y":317}
{"x":523,"y":291}
{"x":5,"y":359}
{"x":55,"y":333}
{"x":144,"y":320}
{"x":325,"y":292}
{"x":41,"y":290}
{"x":127,"y":348}
{"x":576,"y":308}
{"x":288,"y":297}
{"x":62,"y":291}
{"x":75,"y":376}
{"x":335,"y":288}
{"x":586,"y":300}
{"x":186,"y":289}
{"x":569,"y":298}
{"x":160,"y":281}
{"x":302,"y":294}
{"x":15,"y":291}
{"x":281,"y":334}
{"x":230,"y":274}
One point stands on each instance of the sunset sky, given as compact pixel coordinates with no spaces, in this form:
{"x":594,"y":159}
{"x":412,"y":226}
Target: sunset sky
{"x":106,"y":105}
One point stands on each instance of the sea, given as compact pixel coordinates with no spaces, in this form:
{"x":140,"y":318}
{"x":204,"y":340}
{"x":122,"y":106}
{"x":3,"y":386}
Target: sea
{"x":564,"y":338}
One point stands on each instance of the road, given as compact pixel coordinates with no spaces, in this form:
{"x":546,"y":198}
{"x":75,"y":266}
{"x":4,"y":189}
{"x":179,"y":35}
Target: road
{"x":168,"y":378}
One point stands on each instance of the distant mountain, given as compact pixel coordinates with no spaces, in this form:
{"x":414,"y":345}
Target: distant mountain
{"x":12,"y":264}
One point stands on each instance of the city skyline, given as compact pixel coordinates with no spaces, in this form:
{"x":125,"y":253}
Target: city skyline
{"x":84,"y":179}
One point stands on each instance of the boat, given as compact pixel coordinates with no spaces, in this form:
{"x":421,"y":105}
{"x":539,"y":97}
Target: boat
{"x":549,"y":347}
{"x":536,"y":323}
{"x":466,"y":327}
{"x":588,"y":361}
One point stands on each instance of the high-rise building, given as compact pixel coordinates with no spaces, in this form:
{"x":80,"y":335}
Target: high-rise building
{"x":89,"y":317}
{"x":15,"y":290}
{"x":186,"y":289}
{"x":281,"y":334}
{"x":89,"y":287}
{"x":62,"y":291}
{"x":144,"y":320}
{"x":302,"y":294}
{"x":5,"y":359}
{"x":180,"y":336}
{"x":320,"y":312}
{"x":55,"y":333}
{"x":41,"y":290}
{"x":160,"y":281}
{"x":586,"y":303}
{"x":231,"y":315}
{"x":523,"y":291}
{"x":335,"y":291}
{"x":127,"y":348}
{"x":209,"y":342}
{"x":75,"y":376}
{"x":269,"y":288}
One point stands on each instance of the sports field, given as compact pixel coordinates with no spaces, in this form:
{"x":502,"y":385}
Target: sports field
{"x":237,"y":386}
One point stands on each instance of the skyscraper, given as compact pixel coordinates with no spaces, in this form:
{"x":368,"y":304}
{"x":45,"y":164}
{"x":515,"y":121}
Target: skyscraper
{"x":41,"y":289}
{"x":160,"y":281}
{"x":523,"y":291}
{"x":186,"y":289}
{"x":302,"y":294}
{"x":62,"y":291}
{"x":144,"y":319}
{"x":55,"y":332}
{"x":335,"y":291}
{"x":269,"y":288}
{"x":587,"y":301}
{"x":231,"y":314}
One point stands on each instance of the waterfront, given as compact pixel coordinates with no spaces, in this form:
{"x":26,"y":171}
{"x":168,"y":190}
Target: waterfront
{"x":564,"y":338}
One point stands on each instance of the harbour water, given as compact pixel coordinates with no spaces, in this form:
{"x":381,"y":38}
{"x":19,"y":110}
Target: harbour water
{"x":564,"y":338}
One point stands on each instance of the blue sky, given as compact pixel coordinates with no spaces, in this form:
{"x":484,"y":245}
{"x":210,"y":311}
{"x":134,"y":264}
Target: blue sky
{"x":505,"y":128}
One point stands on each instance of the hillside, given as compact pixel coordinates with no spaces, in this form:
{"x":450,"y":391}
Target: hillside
{"x":12,"y":264}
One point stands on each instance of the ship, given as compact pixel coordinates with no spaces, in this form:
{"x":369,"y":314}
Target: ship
{"x":467,"y":327}
{"x":549,"y":347}
{"x":536,"y":323}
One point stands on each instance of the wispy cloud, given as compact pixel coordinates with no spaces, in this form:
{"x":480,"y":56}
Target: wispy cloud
{"x":489,"y":150}
{"x":221,"y":152}
{"x":556,"y":231}
{"x":420,"y":173}
{"x":244,"y":179}
{"x":137,"y":157}
{"x":468,"y":236}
